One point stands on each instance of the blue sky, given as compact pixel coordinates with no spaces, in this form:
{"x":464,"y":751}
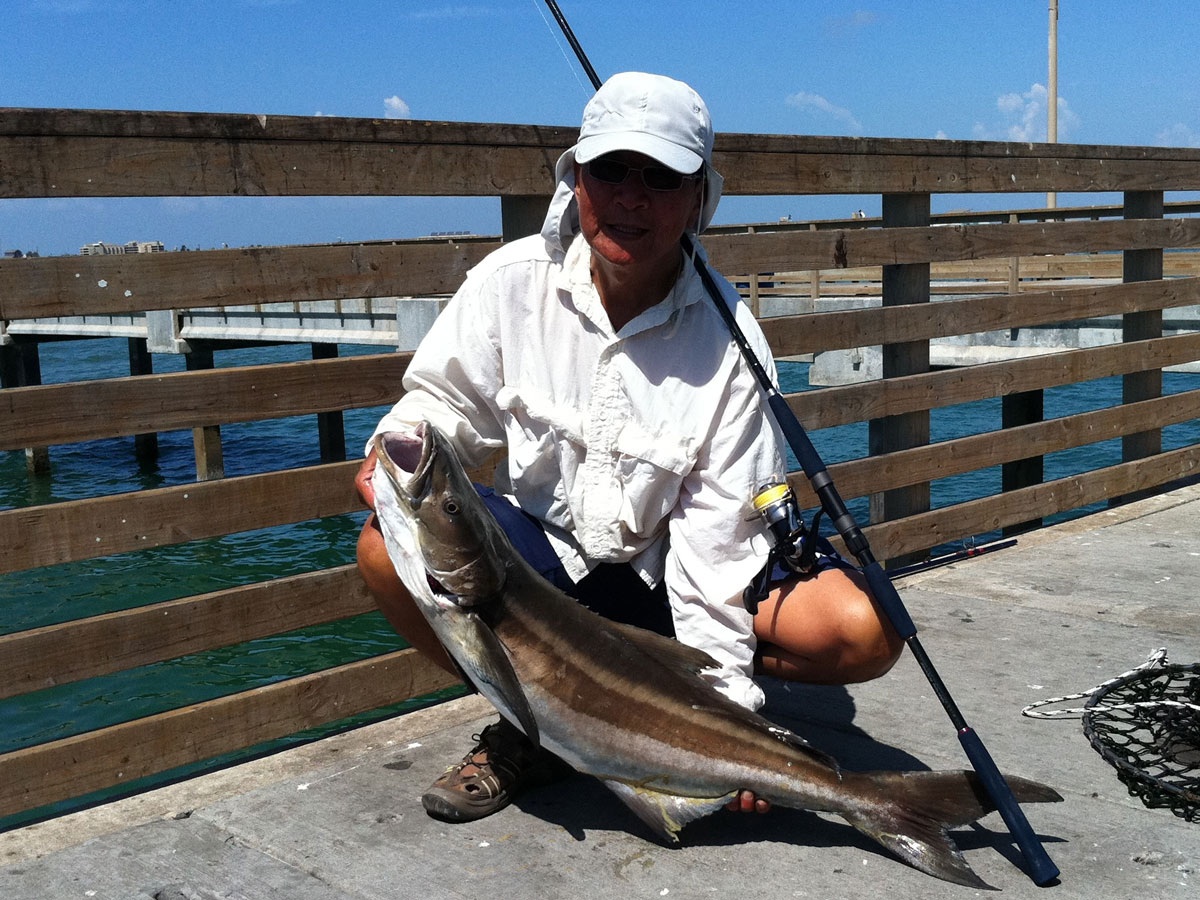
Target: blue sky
{"x":967,"y":69}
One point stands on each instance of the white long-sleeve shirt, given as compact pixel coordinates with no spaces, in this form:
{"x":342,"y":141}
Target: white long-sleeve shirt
{"x":642,"y":446}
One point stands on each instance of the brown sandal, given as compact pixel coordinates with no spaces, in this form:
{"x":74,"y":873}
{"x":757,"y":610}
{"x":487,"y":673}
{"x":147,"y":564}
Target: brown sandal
{"x":490,"y":776}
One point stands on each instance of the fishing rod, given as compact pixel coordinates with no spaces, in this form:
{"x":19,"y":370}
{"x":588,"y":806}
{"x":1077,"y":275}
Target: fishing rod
{"x":1041,"y":868}
{"x":968,"y":552}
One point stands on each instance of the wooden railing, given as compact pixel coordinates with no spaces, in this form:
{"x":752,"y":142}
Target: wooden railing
{"x":73,"y":154}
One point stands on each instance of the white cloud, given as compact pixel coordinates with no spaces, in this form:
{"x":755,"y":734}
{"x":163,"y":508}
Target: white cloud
{"x":1023,"y":117}
{"x":818,"y":105}
{"x":1178,"y":135}
{"x":395,"y":108}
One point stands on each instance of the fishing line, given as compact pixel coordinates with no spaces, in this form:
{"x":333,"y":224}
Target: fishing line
{"x":561,"y":49}
{"x":1041,"y":868}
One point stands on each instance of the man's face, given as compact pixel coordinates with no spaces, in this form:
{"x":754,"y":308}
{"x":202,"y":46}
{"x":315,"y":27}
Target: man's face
{"x":629,"y":224}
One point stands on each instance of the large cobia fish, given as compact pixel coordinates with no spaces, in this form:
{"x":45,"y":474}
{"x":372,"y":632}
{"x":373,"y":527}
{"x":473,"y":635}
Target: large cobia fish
{"x":623,"y":704}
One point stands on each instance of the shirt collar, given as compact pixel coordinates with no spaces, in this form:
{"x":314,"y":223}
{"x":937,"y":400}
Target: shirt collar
{"x":576,"y":279}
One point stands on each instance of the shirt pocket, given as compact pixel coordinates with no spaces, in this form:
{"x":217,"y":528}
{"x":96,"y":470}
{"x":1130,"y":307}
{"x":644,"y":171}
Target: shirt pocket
{"x":535,"y":436}
{"x":650,"y":469}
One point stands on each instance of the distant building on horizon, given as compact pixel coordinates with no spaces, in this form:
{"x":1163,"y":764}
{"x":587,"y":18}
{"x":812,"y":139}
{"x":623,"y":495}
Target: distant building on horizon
{"x":101,"y":248}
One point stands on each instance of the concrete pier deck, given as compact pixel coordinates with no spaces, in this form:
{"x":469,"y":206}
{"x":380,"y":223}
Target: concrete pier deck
{"x":1065,"y":609}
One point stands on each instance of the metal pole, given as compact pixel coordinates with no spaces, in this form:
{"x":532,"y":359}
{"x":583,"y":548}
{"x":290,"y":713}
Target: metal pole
{"x":1052,"y":92}
{"x":1041,"y":868}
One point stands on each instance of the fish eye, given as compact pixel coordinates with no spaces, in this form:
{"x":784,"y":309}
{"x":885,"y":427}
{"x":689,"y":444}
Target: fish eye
{"x":450,"y":507}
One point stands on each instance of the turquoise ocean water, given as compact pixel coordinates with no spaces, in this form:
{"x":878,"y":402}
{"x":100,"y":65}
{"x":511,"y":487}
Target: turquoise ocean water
{"x":59,"y":593}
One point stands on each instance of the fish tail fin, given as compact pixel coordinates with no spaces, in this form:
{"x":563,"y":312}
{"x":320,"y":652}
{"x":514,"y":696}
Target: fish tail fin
{"x":911,"y":814}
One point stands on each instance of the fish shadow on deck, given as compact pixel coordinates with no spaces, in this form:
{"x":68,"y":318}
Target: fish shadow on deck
{"x":824,"y":716}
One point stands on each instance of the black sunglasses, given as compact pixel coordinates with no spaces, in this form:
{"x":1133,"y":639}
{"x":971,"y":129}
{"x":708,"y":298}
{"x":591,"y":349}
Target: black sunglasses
{"x":656,"y":178}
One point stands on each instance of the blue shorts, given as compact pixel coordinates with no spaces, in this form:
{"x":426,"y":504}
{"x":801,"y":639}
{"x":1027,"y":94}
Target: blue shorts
{"x":827,"y":558}
{"x":614,"y":590}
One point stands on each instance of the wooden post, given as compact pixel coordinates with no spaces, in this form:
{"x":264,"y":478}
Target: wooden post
{"x":814,"y":285}
{"x":522,"y":215}
{"x":331,"y":428}
{"x":754,"y":299}
{"x":20,"y":366}
{"x":210,"y":459}
{"x":145,"y":446}
{"x":902,"y":284}
{"x":1142,"y":265}
{"x":1022,"y":408}
{"x":1014,"y":264}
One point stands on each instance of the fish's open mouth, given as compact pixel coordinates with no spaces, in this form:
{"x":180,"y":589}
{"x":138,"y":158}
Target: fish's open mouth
{"x":411,"y":454}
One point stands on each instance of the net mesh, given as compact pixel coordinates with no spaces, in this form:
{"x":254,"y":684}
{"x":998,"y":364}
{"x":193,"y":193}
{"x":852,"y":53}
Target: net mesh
{"x":1147,"y":726}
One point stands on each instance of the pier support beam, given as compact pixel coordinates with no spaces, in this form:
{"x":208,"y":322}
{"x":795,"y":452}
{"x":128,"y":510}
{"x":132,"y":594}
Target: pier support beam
{"x":210,"y":458}
{"x":1022,"y":408}
{"x":145,"y":446}
{"x":20,"y":366}
{"x":331,"y":427}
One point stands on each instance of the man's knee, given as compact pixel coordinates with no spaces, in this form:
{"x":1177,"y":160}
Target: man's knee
{"x":872,"y":646}
{"x":826,"y":629}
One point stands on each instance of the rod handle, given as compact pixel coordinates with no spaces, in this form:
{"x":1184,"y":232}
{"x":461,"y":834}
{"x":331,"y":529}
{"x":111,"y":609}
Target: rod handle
{"x":1042,"y":869}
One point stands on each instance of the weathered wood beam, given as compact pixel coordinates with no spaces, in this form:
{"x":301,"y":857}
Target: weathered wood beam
{"x":122,"y":754}
{"x":114,"y":407}
{"x":86,"y":648}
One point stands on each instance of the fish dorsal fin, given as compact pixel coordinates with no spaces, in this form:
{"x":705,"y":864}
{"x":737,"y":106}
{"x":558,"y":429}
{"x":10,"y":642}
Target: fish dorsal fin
{"x":666,"y":650}
{"x":666,"y":813}
{"x":792,"y":739}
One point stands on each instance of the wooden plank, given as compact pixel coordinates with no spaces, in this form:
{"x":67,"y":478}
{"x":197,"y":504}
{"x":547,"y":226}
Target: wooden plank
{"x":963,"y":276}
{"x":124,"y":283}
{"x":958,"y":168}
{"x":183,"y":125}
{"x":121,"y":754}
{"x":795,"y":251}
{"x":107,"y":285}
{"x":84,"y":529}
{"x":843,"y":329}
{"x":60,"y":153}
{"x":168,"y":167}
{"x":828,"y":407}
{"x":114,"y":407}
{"x":100,"y":645}
{"x":953,"y":523}
{"x":859,"y":477}
{"x":64,"y":153}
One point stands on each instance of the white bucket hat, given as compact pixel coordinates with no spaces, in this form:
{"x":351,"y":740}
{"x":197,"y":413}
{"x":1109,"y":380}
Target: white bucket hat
{"x":653,"y":115}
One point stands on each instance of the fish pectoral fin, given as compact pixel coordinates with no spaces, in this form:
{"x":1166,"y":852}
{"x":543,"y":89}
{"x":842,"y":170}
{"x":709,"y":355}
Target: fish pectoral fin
{"x":666,"y":813}
{"x":666,"y":650}
{"x":495,"y":668}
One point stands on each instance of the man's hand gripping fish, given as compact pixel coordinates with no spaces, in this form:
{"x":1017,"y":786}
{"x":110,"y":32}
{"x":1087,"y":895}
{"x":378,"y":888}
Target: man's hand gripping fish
{"x":627,"y":705}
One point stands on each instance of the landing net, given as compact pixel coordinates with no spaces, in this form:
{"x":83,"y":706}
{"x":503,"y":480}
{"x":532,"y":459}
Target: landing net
{"x":1146,"y":724}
